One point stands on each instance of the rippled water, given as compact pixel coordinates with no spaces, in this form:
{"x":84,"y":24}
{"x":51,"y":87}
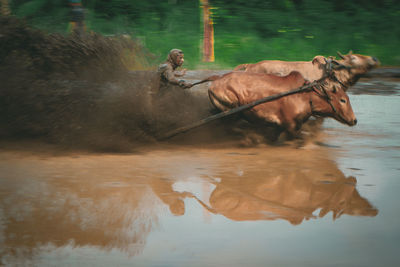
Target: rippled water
{"x":333,"y":203}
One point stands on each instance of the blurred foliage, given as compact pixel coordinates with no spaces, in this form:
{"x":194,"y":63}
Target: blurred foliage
{"x":245,"y":30}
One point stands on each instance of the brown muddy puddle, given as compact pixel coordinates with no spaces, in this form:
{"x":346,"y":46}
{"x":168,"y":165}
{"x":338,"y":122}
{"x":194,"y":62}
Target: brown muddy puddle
{"x":334,"y":203}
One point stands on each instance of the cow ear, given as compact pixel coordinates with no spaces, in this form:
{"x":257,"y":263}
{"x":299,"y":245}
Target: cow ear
{"x":318,"y":60}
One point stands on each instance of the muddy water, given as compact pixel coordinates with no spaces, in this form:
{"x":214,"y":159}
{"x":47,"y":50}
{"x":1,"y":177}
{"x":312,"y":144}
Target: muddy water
{"x":333,"y":202}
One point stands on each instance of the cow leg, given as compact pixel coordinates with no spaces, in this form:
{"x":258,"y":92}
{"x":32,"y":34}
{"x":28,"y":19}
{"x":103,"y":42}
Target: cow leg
{"x":293,"y":134}
{"x":268,"y":130}
{"x":311,"y":130}
{"x":298,"y":137}
{"x":249,"y":133}
{"x":313,"y":126}
{"x":272,"y":134}
{"x":292,"y":130}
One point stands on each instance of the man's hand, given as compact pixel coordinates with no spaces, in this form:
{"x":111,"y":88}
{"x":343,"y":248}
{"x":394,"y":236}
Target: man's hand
{"x":185,"y":84}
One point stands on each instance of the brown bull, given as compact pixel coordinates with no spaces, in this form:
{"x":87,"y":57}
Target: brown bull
{"x":285,"y":114}
{"x":348,"y":69}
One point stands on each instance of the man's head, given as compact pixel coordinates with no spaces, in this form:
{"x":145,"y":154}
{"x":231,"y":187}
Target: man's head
{"x":175,"y":56}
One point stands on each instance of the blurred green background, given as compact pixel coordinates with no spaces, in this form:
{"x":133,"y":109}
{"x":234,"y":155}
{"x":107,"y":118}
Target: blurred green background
{"x":244,"y":30}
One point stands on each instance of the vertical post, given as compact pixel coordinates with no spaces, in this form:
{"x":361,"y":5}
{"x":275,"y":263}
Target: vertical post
{"x":208,"y":33}
{"x":5,"y":9}
{"x":77,"y":24}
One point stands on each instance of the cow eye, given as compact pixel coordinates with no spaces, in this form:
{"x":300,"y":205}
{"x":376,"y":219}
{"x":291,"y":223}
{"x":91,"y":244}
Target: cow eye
{"x":343,"y":100}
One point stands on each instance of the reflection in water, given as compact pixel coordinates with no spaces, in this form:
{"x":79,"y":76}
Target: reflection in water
{"x":290,"y":187}
{"x":163,"y":188}
{"x":292,"y":197}
{"x":114,"y":202}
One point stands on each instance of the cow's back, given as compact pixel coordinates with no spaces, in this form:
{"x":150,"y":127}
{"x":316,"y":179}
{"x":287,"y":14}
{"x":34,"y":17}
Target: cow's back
{"x":240,"y":88}
{"x":311,"y":70}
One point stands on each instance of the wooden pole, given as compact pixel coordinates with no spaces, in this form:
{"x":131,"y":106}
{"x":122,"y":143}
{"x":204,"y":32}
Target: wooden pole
{"x":208,"y":33}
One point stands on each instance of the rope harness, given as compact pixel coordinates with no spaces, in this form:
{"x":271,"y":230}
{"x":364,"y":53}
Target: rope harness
{"x":320,"y":87}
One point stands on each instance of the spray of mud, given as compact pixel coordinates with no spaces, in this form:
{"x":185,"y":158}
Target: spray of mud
{"x":78,"y":91}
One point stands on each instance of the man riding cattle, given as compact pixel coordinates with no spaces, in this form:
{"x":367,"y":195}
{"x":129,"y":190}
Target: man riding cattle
{"x":169,"y":74}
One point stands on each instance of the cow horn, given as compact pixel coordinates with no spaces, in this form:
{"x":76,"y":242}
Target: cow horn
{"x":337,"y":65}
{"x":340,"y":55}
{"x":350,"y":52}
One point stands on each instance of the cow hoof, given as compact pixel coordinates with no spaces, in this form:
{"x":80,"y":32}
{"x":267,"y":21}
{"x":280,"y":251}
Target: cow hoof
{"x":251,"y":140}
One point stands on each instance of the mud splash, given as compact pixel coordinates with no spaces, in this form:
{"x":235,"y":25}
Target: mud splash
{"x":78,"y":91}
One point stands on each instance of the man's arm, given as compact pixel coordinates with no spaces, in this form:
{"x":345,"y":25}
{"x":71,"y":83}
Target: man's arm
{"x":170,"y":76}
{"x":168,"y":73}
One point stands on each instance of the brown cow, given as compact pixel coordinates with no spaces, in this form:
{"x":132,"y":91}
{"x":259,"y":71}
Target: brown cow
{"x":285,"y":114}
{"x":348,"y":69}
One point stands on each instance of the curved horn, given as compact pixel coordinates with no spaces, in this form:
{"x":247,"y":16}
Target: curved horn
{"x":337,"y":65}
{"x":340,"y":55}
{"x":336,"y":62}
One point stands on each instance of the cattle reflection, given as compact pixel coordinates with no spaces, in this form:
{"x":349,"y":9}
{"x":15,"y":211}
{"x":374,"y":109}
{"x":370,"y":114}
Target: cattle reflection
{"x":295,"y":189}
{"x":163,"y":189}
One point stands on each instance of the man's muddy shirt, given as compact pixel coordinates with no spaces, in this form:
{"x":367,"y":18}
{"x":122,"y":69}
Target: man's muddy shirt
{"x":167,"y":75}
